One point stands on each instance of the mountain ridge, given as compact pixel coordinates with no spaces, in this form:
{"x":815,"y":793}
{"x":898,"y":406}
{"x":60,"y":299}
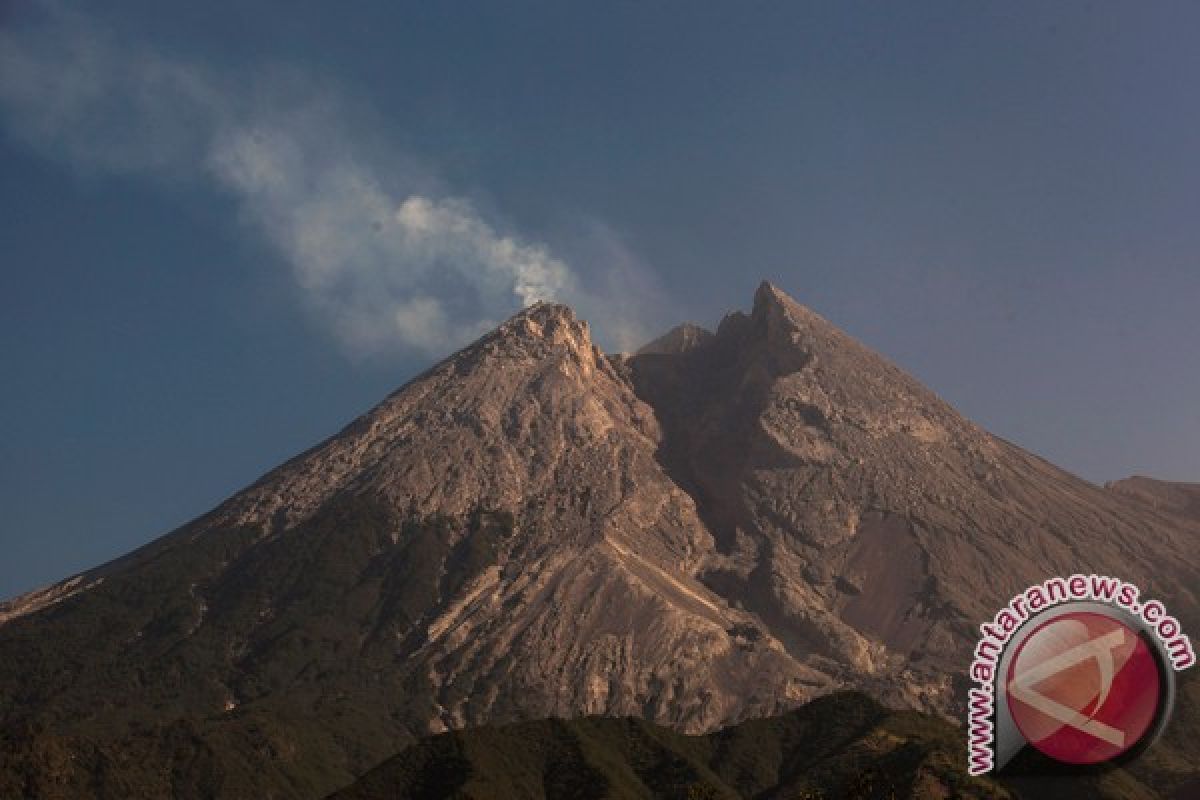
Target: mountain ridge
{"x":842,"y":745}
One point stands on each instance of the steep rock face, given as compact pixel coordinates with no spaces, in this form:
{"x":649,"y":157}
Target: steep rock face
{"x":720,"y":527}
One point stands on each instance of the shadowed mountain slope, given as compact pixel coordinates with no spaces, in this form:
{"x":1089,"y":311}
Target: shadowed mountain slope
{"x":843,"y":746}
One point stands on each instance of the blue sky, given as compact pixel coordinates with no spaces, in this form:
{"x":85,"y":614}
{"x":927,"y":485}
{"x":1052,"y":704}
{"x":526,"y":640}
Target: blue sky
{"x":228,"y":228}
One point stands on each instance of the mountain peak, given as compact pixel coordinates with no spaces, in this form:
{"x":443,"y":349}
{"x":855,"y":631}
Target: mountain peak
{"x":770,"y":297}
{"x":546,"y":310}
{"x":768,"y":292}
{"x":536,"y":330}
{"x":772,"y":304}
{"x":544,"y":318}
{"x":679,"y":339}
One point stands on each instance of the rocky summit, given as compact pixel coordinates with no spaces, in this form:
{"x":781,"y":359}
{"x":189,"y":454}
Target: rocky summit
{"x":719,"y":527}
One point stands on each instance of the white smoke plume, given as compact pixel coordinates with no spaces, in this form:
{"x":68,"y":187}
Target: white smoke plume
{"x":379,"y":252}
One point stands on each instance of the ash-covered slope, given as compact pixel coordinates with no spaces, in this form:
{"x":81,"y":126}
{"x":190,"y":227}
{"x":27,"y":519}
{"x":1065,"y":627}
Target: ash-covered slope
{"x":723,"y":526}
{"x":1168,"y":496}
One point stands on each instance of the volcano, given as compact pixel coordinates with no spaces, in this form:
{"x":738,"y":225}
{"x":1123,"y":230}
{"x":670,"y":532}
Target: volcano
{"x":721,"y":526}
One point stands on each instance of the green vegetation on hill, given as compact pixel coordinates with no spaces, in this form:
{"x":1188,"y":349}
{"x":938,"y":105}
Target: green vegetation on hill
{"x":841,"y":746}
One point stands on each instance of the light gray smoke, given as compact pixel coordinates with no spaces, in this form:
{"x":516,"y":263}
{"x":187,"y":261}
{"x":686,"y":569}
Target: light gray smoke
{"x":380,"y":254}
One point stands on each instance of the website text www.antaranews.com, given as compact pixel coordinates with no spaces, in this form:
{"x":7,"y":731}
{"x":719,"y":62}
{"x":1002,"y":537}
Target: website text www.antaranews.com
{"x":1051,"y":592}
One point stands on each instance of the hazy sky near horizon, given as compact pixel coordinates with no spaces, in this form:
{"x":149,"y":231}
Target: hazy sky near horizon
{"x":229,"y":228}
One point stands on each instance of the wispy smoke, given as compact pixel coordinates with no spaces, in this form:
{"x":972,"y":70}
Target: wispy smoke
{"x":379,"y":252}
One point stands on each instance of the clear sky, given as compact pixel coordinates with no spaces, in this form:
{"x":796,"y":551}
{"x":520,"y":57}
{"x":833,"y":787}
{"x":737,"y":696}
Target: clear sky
{"x":228,"y":228}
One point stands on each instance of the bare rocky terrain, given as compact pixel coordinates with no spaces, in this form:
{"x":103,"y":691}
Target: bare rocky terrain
{"x":1166,"y":496}
{"x":722,"y":526}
